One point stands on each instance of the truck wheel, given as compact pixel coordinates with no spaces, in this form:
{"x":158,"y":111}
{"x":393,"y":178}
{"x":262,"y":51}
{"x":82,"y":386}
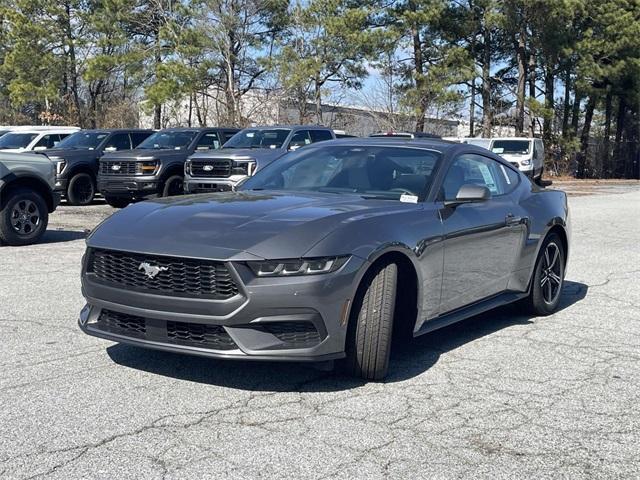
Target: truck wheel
{"x":172,"y":186}
{"x":369,"y":336}
{"x":81,"y":189}
{"x":117,"y":202}
{"x":24,"y":218}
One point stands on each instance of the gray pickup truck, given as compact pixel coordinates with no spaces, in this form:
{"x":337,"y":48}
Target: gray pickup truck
{"x":26,"y":197}
{"x":245,"y":153}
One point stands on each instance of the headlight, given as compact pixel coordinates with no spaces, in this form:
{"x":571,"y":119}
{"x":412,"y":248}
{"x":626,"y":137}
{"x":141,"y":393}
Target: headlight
{"x":244,"y":168}
{"x":148,"y":167}
{"x":526,"y":162}
{"x":187,"y":167}
{"x":60,"y":163}
{"x":300,"y":266}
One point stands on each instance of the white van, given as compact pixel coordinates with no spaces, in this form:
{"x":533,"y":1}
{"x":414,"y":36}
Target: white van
{"x":525,"y":153}
{"x":25,"y":139}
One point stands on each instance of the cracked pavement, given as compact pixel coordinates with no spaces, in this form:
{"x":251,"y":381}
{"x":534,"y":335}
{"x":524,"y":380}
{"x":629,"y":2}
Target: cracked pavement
{"x":502,"y":395}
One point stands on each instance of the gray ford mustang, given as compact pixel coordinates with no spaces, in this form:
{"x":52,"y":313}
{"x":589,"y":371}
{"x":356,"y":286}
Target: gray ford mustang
{"x":328,"y":253}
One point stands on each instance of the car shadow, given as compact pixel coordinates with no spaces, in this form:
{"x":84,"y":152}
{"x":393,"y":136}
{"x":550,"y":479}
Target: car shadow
{"x":408,"y":359}
{"x":58,"y":236}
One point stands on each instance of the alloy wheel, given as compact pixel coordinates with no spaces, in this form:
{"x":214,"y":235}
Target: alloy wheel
{"x":551,"y":277}
{"x":25,"y":217}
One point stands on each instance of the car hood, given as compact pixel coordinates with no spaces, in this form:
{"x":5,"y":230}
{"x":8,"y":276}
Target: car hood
{"x":235,"y":225}
{"x":70,"y":154}
{"x":135,"y":154}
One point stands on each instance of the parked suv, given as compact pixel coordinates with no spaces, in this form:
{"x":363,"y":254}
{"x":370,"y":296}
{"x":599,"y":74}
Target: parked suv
{"x":26,"y":197}
{"x":245,"y":153}
{"x":156,"y":167}
{"x":34,"y":138}
{"x":76,"y":159}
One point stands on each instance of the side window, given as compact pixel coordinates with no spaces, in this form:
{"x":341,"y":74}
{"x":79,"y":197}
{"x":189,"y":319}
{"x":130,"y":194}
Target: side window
{"x":300,"y":139}
{"x":61,"y":137}
{"x":320,"y":135}
{"x":477,"y":170}
{"x":118,"y":141}
{"x":227,"y":134}
{"x":209,"y":141}
{"x":47,"y":141}
{"x":138,"y":137}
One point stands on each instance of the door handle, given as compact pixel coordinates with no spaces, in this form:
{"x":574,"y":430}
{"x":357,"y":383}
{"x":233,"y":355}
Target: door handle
{"x":511,"y":220}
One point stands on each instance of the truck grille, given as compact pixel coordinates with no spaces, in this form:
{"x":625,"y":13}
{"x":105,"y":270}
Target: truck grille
{"x":214,"y":337}
{"x":218,"y":168}
{"x":122,"y":167}
{"x":168,"y":275}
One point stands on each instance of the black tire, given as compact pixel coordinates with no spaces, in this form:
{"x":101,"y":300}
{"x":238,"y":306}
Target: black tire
{"x":117,"y":202}
{"x":81,"y":189}
{"x":547,"y":280}
{"x":370,"y":329}
{"x":24,"y":218}
{"x":174,"y":185}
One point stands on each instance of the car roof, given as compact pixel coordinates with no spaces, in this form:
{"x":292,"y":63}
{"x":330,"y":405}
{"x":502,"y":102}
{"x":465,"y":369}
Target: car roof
{"x":289,"y":127}
{"x":425,"y":142}
{"x":116,"y":130}
{"x":195,"y":129}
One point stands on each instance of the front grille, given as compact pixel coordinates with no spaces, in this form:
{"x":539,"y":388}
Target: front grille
{"x":218,"y":168}
{"x":122,"y":324}
{"x":123,"y":167}
{"x":173,"y":276}
{"x":214,"y":337}
{"x":294,"y":334}
{"x":208,"y":336}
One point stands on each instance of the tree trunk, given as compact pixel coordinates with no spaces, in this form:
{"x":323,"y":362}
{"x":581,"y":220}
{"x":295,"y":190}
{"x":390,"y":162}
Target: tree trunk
{"x":549,"y":93}
{"x":157,"y":109}
{"x":522,"y":78}
{"x":575,"y":112}
{"x":567,"y":102}
{"x":618,"y":162}
{"x":418,"y":64}
{"x":318,"y":99}
{"x":73,"y":64}
{"x":487,"y":112}
{"x":606,"y":167}
{"x":584,"y":138}
{"x":472,"y":109}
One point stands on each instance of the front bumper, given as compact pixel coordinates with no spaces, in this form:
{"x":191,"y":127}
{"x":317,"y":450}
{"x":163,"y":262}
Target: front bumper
{"x":61,"y":185}
{"x":128,"y":186}
{"x":263,"y":322}
{"x":204,"y":185}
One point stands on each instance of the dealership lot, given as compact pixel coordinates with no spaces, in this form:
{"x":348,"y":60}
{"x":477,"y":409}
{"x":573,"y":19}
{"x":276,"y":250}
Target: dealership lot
{"x":500,"y":395}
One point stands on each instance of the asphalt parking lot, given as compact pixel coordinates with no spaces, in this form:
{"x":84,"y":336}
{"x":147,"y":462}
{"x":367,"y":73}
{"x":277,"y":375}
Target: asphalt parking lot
{"x":502,"y":395}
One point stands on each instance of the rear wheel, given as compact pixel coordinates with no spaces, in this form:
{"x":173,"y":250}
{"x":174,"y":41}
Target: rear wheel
{"x":117,"y":202}
{"x":24,"y":218}
{"x":548,"y":277}
{"x":81,"y":189}
{"x":173,"y":186}
{"x":369,"y":336}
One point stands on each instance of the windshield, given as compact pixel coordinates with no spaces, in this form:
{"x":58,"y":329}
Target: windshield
{"x":371,"y":171}
{"x":172,"y":140}
{"x":258,"y":138}
{"x":83,"y":141}
{"x":16,"y":140}
{"x":520,"y":147}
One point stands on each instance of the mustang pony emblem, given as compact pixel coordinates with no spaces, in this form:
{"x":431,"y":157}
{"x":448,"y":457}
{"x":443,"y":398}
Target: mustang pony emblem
{"x":151,"y":271}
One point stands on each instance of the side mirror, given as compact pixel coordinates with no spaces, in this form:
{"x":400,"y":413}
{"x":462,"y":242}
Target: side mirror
{"x":294,"y":147}
{"x":470,"y":194}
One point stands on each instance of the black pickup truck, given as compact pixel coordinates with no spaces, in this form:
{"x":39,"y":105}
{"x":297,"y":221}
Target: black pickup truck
{"x":156,"y":167}
{"x":76,"y":159}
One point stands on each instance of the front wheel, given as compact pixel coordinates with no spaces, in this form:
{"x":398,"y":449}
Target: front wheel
{"x":172,"y":186}
{"x":81,"y":189}
{"x":548,"y":277}
{"x":368,"y":345}
{"x":24,"y":218}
